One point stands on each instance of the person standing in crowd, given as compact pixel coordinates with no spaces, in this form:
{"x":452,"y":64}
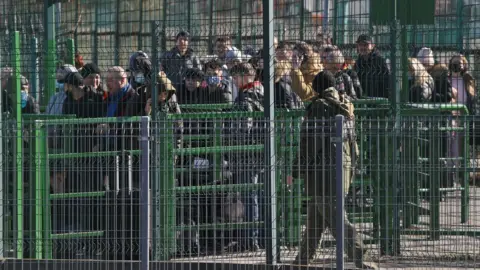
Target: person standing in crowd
{"x":219,"y":89}
{"x":372,"y":69}
{"x":285,"y":97}
{"x":176,"y":61}
{"x":334,"y":62}
{"x":192,"y":91}
{"x":141,"y":75}
{"x":421,"y":84}
{"x":305,"y":66}
{"x":55,"y":104}
{"x":443,"y":87}
{"x":92,"y":79}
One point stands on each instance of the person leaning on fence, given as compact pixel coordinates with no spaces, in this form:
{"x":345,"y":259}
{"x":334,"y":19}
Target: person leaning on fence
{"x":372,"y":69}
{"x":176,"y":61}
{"x":317,"y":167}
{"x":305,"y":66}
{"x":421,"y":84}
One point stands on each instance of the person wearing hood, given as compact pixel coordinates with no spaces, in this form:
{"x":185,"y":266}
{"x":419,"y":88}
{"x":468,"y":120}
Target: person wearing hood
{"x":176,"y":61}
{"x":318,"y":159}
{"x":55,"y":104}
{"x":372,"y":69}
{"x":140,"y":75}
{"x":305,"y":66}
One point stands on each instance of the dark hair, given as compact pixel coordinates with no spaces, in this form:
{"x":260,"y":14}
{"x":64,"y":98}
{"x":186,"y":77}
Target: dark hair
{"x":243,"y":69}
{"x":194,"y":73}
{"x":322,"y":81}
{"x":184,"y":34}
{"x":223,"y":39}
{"x":213,"y":64}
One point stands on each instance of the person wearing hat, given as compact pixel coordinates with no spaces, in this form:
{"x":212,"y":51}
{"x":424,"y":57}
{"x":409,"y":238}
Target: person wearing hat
{"x":372,"y":69}
{"x":80,"y":101}
{"x":180,"y":58}
{"x":318,"y":171}
{"x":167,"y":99}
{"x":92,"y":79}
{"x":55,"y":104}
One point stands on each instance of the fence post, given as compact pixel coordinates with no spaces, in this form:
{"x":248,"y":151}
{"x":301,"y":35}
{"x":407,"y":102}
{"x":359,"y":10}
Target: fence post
{"x":70,"y":59}
{"x":34,"y":68}
{"x":17,"y":112}
{"x":50,"y":51}
{"x":340,"y":205}
{"x":144,"y":193}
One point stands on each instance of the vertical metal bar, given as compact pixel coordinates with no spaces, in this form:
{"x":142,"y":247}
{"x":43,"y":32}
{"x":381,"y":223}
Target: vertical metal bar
{"x":154,"y":149}
{"x":50,"y":50}
{"x":325,"y":18}
{"x":189,"y":16}
{"x":130,"y":174}
{"x":117,"y":175}
{"x":70,"y":59}
{"x":3,"y":186}
{"x":95,"y":35}
{"x":19,"y":141}
{"x":269,"y":113}
{"x":39,"y":181}
{"x":117,"y":36}
{"x":140,"y":27}
{"x":302,"y":19}
{"x":459,"y":25}
{"x":144,"y":193}
{"x":164,"y":26}
{"x":34,"y":68}
{"x":340,"y":204}
{"x":210,"y":26}
{"x":240,"y":24}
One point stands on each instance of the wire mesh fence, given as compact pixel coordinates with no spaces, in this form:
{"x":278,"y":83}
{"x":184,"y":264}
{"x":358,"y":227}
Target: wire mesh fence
{"x":140,"y":132}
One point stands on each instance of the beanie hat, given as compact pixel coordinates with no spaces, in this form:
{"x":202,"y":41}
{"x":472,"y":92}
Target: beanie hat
{"x":425,"y":56}
{"x":90,"y":69}
{"x":322,"y":81}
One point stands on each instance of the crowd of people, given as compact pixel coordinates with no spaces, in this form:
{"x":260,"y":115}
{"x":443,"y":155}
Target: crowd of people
{"x":302,"y":73}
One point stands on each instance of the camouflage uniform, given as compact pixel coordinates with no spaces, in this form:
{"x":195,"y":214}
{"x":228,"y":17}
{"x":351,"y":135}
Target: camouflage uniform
{"x":318,"y":169}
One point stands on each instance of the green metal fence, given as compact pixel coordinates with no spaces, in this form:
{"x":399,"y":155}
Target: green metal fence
{"x":411,"y":199}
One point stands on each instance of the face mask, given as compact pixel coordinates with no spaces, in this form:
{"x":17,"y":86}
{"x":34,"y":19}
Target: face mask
{"x":24,"y":97}
{"x":455,"y":67}
{"x":213,"y":80}
{"x":140,"y":78}
{"x":59,"y":86}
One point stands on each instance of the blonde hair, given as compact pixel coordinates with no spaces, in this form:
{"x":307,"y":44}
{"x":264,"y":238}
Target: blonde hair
{"x":282,"y":68}
{"x":419,"y":72}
